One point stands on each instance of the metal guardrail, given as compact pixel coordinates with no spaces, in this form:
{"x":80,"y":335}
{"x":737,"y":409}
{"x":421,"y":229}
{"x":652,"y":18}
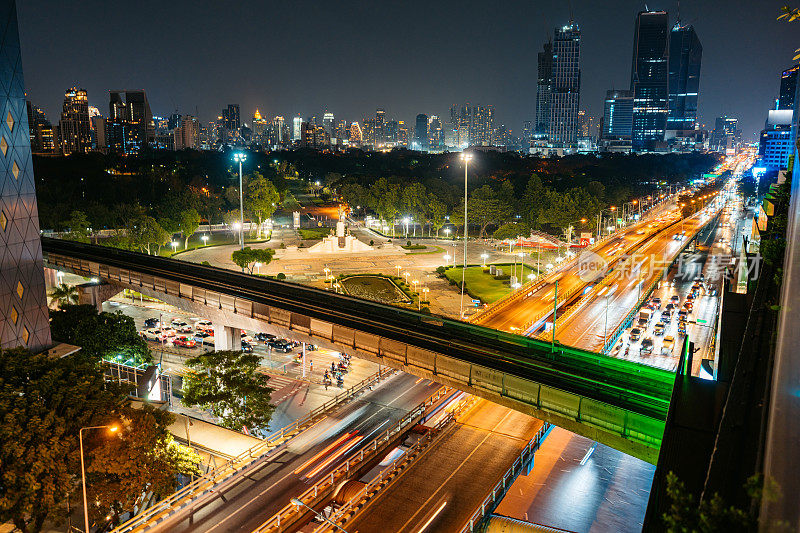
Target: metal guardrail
{"x":289,"y":513}
{"x":203,"y":484}
{"x":385,"y":476}
{"x":491,"y":502}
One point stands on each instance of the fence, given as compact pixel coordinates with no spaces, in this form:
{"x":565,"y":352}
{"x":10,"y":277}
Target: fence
{"x":409,"y":457}
{"x":499,"y":491}
{"x":205,"y":483}
{"x":131,"y":374}
{"x":289,"y":513}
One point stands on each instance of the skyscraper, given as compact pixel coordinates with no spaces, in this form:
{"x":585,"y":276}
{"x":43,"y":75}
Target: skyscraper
{"x":297,"y":128}
{"x":788,"y":88}
{"x":355,"y":134}
{"x":685,"y":53}
{"x":460,"y":122}
{"x":649,"y":80}
{"x":130,"y":127}
{"x":726,"y":135}
{"x":481,"y":128}
{"x":617,"y":115}
{"x":230,"y":117}
{"x":380,"y":127}
{"x":435,"y":134}
{"x":327,"y":123}
{"x":73,"y":130}
{"x":566,"y":87}
{"x":259,"y":126}
{"x":41,"y":130}
{"x":544,"y":85}
{"x":187,"y":135}
{"x":24,"y":319}
{"x":421,"y":133}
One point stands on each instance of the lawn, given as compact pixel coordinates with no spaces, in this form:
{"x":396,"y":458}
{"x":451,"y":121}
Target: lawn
{"x":214,"y":239}
{"x":482,"y":285}
{"x":314,"y":233}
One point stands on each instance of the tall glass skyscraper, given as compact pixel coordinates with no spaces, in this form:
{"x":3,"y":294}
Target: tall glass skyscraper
{"x":649,"y":80}
{"x":421,"y":133}
{"x":685,"y":53}
{"x":788,"y":88}
{"x":544,"y":85}
{"x":617,"y":115}
{"x":566,"y":86}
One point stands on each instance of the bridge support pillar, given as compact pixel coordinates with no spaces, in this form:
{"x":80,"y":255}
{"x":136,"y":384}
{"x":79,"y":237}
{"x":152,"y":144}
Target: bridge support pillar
{"x":96,"y":293}
{"x":50,"y":277}
{"x":227,"y":338}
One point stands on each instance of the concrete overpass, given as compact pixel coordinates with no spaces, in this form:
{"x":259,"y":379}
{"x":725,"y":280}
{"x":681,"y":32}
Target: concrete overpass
{"x":616,"y":402}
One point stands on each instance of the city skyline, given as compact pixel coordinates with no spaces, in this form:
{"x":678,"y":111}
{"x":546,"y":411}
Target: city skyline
{"x":501,"y":72}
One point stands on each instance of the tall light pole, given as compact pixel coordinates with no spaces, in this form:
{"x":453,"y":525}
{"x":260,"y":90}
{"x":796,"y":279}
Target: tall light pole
{"x":240,"y":157}
{"x":111,"y":429}
{"x":466,"y":158}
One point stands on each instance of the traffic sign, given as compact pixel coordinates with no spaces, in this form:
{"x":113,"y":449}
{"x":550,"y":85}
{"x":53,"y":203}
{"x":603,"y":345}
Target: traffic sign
{"x":476,"y":301}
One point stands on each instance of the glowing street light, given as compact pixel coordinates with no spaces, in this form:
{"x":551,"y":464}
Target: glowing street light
{"x":204,"y":238}
{"x":258,"y":266}
{"x":484,"y":257}
{"x":466,"y":158}
{"x":239,"y":157}
{"x":446,"y":259}
{"x":111,"y":429}
{"x":327,"y":273}
{"x":447,"y":232}
{"x":398,"y":267}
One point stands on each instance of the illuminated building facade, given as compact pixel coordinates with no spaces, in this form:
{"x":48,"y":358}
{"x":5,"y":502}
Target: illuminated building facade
{"x":41,"y":131}
{"x":685,"y":54}
{"x":129,"y":127}
{"x":566,"y":87}
{"x":74,"y":133}
{"x":649,"y":75}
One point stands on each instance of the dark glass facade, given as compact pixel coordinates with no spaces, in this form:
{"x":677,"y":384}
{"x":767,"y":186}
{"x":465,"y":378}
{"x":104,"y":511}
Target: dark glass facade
{"x":421,"y":132}
{"x":130,"y":126}
{"x":685,"y":53}
{"x":617,"y":115}
{"x":544,"y":85}
{"x":788,"y":88}
{"x":566,"y":89}
{"x":649,"y":81}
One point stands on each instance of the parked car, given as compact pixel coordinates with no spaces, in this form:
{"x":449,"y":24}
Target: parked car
{"x":667,"y":345}
{"x":168,"y":331}
{"x":280,"y":345}
{"x":656,"y":303}
{"x":265,"y":337}
{"x":636,"y":333}
{"x":184,"y":329}
{"x":184,"y":342}
{"x":199,"y":336}
{"x":666,"y":317}
{"x":658,"y":329}
{"x":152,"y":334}
{"x":247,"y":347}
{"x":177,"y":322}
{"x":647,"y":346}
{"x":151,"y":323}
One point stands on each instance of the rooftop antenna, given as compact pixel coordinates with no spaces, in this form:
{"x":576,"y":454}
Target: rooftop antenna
{"x":571,"y":19}
{"x":679,"y":13}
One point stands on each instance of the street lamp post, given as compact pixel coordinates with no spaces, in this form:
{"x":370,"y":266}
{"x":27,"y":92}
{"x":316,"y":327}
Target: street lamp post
{"x":240,"y":157}
{"x":174,"y":246}
{"x":466,"y":158}
{"x":320,"y":516}
{"x":204,"y":238}
{"x":398,"y":267}
{"x":112,"y":429}
{"x":484,"y":257}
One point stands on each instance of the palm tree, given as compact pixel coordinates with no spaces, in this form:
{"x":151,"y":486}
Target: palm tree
{"x":63,"y":294}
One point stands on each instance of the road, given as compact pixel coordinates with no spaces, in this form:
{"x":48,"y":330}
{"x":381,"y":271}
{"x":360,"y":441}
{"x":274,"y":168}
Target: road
{"x":585,"y":328}
{"x":308,"y":457}
{"x":441,"y":490}
{"x":608,"y":492}
{"x":514,"y":317}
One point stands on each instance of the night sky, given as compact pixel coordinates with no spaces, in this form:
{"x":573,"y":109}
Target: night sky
{"x":409,"y":57}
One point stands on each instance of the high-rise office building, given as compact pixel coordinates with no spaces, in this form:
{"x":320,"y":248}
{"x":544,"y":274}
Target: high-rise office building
{"x":380,"y":126}
{"x":685,"y":53}
{"x":481,"y":131}
{"x":566,"y":86}
{"x":390,"y":132}
{"x":187,"y":135}
{"x":355,"y":134}
{"x":74,"y":133}
{"x":788,"y":87}
{"x":544,"y":85}
{"x":279,"y":127}
{"x":368,"y":132}
{"x":649,"y":73}
{"x":617,"y":115}
{"x":402,"y":133}
{"x":327,"y":123}
{"x":259,"y":126}
{"x":726,"y":136}
{"x":342,"y":131}
{"x":24,"y":319}
{"x":230,"y":118}
{"x":41,"y":131}
{"x":435,"y":134}
{"x":297,"y":127}
{"x":129,"y":127}
{"x":421,"y":133}
{"x":460,"y":124}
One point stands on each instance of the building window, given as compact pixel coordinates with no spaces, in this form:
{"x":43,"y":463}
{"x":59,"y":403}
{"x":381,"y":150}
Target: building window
{"x":25,"y":334}
{"x":20,"y":290}
{"x":10,"y":121}
{"x":3,"y":146}
{"x":14,"y":315}
{"x":15,"y":170}
{"x":3,"y":221}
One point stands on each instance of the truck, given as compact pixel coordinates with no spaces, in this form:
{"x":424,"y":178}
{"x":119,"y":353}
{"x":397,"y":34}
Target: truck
{"x":644,"y":317}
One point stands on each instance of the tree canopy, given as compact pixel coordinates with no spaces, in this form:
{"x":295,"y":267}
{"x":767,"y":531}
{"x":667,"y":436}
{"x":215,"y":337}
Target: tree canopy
{"x":247,"y":257}
{"x":227,"y":383}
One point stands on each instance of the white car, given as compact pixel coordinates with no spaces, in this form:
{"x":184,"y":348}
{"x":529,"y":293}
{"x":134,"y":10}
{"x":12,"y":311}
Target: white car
{"x":152,"y":334}
{"x":667,"y":345}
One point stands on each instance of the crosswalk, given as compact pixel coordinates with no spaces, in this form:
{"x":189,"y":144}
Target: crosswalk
{"x":283,"y":387}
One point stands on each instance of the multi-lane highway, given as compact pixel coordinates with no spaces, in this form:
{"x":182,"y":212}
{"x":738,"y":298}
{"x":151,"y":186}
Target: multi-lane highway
{"x":516,"y":316}
{"x":308,"y":457}
{"x":440,"y":491}
{"x":589,"y":326}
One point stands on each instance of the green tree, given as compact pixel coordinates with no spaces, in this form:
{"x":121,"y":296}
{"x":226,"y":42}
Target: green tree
{"x":44,"y":401}
{"x":436,"y":211}
{"x":189,"y":222}
{"x":78,"y":225}
{"x":356,"y":195}
{"x":248,"y":257}
{"x":228,"y":385}
{"x":485,"y":207}
{"x":791,"y":14}
{"x":414,"y":198}
{"x":145,"y":233}
{"x":63,"y":294}
{"x":510,"y":230}
{"x":387,"y":201}
{"x":100,"y":335}
{"x":142,"y":444}
{"x":261,"y":200}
